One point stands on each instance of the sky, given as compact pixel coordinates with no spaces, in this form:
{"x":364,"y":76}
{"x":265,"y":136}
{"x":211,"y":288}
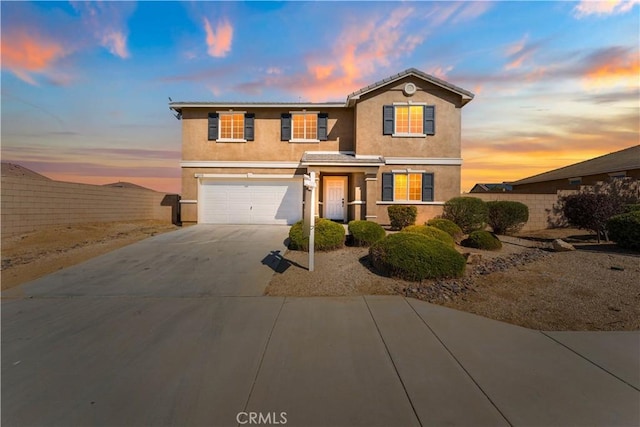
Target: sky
{"x":85,"y":85}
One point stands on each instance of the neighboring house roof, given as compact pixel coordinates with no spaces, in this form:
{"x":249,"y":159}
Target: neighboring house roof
{"x":623,"y":160}
{"x":492,"y":187}
{"x":466,"y":95}
{"x":121,"y":184}
{"x":12,"y":169}
{"x":310,"y":158}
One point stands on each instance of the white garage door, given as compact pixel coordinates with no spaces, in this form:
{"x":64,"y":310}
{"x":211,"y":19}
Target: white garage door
{"x":250,"y":201}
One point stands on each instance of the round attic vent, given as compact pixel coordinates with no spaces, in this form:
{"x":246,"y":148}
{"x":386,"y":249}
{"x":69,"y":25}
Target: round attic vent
{"x":409,"y":89}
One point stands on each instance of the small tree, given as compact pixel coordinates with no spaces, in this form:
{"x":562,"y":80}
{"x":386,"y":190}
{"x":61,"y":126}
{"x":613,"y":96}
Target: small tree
{"x":507,"y":217}
{"x":590,"y":211}
{"x":469,"y":213}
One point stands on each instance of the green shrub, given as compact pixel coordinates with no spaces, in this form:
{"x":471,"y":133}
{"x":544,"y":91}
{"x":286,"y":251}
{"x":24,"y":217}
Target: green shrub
{"x":481,"y":239}
{"x":507,"y":217}
{"x":432,"y":232}
{"x":402,"y":216}
{"x":631,"y":208}
{"x":590,"y":211}
{"x":366,"y":233}
{"x":469,"y":213}
{"x":447,"y":226}
{"x":624,"y":229}
{"x":416,"y":257}
{"x":328,"y":235}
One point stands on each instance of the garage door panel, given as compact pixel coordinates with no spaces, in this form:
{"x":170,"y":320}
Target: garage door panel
{"x":250,"y":201}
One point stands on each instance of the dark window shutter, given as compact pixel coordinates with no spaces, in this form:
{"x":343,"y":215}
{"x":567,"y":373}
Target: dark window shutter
{"x":285,"y":127}
{"x":387,"y":119}
{"x":430,"y":119}
{"x":213,"y":126}
{"x":427,"y":187}
{"x":248,"y":126}
{"x":387,"y":187}
{"x":323,"y":126}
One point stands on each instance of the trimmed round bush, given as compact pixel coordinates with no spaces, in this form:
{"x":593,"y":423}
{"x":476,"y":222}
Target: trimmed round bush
{"x":401,"y":216}
{"x":624,"y":229}
{"x":366,"y":233}
{"x":631,"y":208}
{"x":507,"y":217}
{"x":415,"y":257}
{"x":447,"y":226}
{"x":432,"y":232}
{"x":482,"y":240}
{"x":469,"y":213}
{"x":328,"y":235}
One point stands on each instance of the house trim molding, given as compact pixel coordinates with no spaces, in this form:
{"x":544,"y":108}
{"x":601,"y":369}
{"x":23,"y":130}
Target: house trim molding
{"x":249,"y":175}
{"x":445,"y":161}
{"x":238,"y":164}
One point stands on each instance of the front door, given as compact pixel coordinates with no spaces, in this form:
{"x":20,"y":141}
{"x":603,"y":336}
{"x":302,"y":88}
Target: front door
{"x":335,"y":193}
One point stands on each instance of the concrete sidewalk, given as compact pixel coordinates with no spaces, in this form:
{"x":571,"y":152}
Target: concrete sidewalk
{"x":349,"y":361}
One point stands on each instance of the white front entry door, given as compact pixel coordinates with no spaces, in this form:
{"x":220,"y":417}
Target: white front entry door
{"x":335,"y":197}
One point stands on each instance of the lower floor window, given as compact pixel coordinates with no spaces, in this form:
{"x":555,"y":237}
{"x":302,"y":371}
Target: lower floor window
{"x":407,"y":187}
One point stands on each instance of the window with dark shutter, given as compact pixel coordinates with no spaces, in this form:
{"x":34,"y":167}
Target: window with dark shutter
{"x":427,"y":187}
{"x":323,"y":126}
{"x":387,"y":187}
{"x":213,"y":126}
{"x":387,"y":119}
{"x":248,"y":126}
{"x":285,"y":127}
{"x":429,"y":119}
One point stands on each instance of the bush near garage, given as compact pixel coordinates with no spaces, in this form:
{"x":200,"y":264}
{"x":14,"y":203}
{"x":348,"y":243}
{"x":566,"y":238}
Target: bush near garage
{"x":624,"y":229}
{"x":366,"y":233}
{"x":507,"y":217}
{"x":447,"y":226}
{"x":401,"y":216}
{"x":416,"y":257}
{"x":328,"y":235}
{"x":469,"y":213}
{"x":631,"y":208}
{"x":481,"y":239}
{"x":432,"y":232}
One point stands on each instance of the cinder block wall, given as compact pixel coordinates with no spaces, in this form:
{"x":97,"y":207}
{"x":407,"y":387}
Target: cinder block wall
{"x":541,"y":212}
{"x":28,"y":204}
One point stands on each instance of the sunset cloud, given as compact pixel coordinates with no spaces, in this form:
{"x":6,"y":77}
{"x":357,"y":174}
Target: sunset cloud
{"x":107,"y":22}
{"x":608,"y":7}
{"x":26,"y":53}
{"x":613,"y":66}
{"x":218,"y":40}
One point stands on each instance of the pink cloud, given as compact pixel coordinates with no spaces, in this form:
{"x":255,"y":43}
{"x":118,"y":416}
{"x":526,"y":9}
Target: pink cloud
{"x":609,"y":7}
{"x":25,"y":53}
{"x":116,"y":43}
{"x":218,"y":40}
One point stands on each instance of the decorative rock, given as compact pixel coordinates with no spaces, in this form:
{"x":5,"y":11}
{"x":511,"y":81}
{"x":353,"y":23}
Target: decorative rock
{"x":560,"y":245}
{"x":474,"y":258}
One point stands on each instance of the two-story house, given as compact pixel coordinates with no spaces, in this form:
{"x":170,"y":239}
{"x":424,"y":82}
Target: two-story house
{"x":396,"y":141}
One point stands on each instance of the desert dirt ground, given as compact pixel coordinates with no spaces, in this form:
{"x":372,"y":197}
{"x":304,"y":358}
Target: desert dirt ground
{"x":595,"y":287}
{"x":35,"y":254}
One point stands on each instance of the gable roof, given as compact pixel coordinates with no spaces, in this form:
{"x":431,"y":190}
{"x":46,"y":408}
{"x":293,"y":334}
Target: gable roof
{"x":465,"y":94}
{"x":15,"y":170}
{"x":619,"y":161}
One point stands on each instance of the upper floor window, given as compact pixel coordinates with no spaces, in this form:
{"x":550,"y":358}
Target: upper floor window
{"x":304,"y":126}
{"x":408,"y":120}
{"x":231,"y":126}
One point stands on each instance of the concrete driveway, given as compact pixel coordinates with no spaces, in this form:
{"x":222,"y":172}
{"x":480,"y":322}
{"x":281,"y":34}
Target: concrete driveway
{"x":153,"y":335}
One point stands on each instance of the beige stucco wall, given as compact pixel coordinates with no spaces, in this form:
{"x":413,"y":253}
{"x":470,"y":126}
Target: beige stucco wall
{"x":445,"y":142}
{"x":267,"y":145}
{"x":29,"y":204}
